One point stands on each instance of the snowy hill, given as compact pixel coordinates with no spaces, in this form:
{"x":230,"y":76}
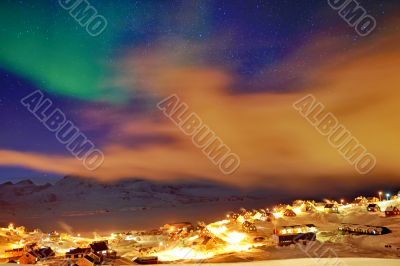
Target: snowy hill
{"x":75,"y":193}
{"x":76,"y":200}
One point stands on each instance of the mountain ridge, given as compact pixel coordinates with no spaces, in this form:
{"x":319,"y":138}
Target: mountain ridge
{"x":74,"y":193}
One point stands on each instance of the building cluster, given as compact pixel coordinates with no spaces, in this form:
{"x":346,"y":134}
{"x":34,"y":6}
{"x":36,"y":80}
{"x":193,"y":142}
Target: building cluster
{"x":238,"y":231}
{"x":363,"y":229}
{"x":288,"y":235}
{"x":94,"y":254}
{"x":29,"y":254}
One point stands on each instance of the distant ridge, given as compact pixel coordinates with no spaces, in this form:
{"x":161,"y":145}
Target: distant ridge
{"x":74,"y":194}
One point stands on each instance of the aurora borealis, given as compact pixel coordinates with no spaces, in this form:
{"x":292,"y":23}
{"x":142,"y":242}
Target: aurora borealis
{"x":239,"y":65}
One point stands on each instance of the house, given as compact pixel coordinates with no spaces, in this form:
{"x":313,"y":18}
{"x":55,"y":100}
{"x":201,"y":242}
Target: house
{"x":29,"y":258}
{"x":331,"y":208}
{"x":392,"y":211}
{"x":55,"y":236}
{"x":45,"y":253}
{"x":100,"y":248}
{"x":360,"y":201}
{"x":372,"y":199}
{"x":310,"y":206}
{"x":232,"y":216}
{"x":146,"y":260}
{"x":281,"y":207}
{"x":287,"y":235}
{"x":14,"y":253}
{"x":89,"y":260}
{"x":187,"y":226}
{"x":31,"y":246}
{"x":77,"y":253}
{"x":289,"y":213}
{"x":269,"y":216}
{"x":358,"y":229}
{"x":249,"y":227}
{"x":248,"y":215}
{"x":328,"y":201}
{"x":298,"y":203}
{"x":373,"y":207}
{"x":33,"y":256}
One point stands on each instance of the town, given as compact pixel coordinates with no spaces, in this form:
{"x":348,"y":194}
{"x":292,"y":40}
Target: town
{"x":258,"y":233}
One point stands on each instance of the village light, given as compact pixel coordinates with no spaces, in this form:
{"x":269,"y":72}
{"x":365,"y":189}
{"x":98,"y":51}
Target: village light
{"x":387,"y":196}
{"x":380,"y":195}
{"x":342,"y":201}
{"x":11,"y":227}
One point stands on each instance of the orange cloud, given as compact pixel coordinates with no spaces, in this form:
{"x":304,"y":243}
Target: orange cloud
{"x":273,"y":141}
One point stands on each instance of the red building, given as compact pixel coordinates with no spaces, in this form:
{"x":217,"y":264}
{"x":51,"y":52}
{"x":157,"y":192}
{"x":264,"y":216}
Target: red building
{"x":392,"y":211}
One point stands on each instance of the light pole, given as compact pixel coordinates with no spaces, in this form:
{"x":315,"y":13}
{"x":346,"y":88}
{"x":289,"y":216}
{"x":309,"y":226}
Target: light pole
{"x":387,"y":196}
{"x":380,"y":195}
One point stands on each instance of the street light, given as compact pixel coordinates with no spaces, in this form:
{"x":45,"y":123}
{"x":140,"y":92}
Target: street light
{"x":387,"y":196}
{"x":342,"y":201}
{"x":380,"y":195}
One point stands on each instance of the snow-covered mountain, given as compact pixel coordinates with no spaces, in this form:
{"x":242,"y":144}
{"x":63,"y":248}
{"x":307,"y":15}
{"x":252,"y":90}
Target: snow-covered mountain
{"x":82,"y":194}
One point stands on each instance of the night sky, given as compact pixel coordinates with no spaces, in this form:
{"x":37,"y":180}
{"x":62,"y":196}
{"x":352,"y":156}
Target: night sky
{"x":238,"y":64}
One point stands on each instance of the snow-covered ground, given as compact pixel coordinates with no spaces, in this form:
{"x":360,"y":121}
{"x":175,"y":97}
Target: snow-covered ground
{"x":328,"y":250}
{"x":306,"y":262}
{"x":329,"y":243}
{"x":314,"y":262}
{"x":74,"y":210}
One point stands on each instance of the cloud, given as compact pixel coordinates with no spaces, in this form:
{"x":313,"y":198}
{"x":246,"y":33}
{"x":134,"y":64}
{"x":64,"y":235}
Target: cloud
{"x":359,"y":86}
